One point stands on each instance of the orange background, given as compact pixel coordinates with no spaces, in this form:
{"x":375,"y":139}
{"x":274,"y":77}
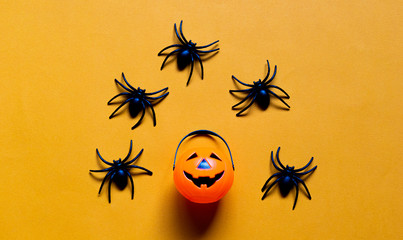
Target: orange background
{"x":340,"y":62}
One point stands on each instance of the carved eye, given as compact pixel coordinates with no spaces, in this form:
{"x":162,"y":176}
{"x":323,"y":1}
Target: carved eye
{"x":214,"y":156}
{"x":192,"y":156}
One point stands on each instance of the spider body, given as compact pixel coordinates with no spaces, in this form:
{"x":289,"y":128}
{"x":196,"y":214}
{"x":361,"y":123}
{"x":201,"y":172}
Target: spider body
{"x":184,"y":57}
{"x":286,"y":183}
{"x":187,"y":52}
{"x":259,"y":92}
{"x":262,"y":96}
{"x":136,"y":105}
{"x":120,"y":178}
{"x":138,"y":100}
{"x":119,"y":171}
{"x":287,"y":178}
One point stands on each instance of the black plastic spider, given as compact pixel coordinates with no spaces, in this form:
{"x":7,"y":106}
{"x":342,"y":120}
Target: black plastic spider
{"x":259,"y":92}
{"x":119,"y":171}
{"x":187,"y":52}
{"x":138,"y":100}
{"x":287,"y":178}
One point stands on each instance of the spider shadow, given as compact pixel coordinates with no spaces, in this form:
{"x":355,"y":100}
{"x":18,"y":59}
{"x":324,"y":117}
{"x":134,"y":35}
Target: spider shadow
{"x":104,"y":166}
{"x":103,"y":176}
{"x":240,"y":107}
{"x":239,"y":96}
{"x":278,"y":106}
{"x":205,"y":57}
{"x":196,"y":68}
{"x":301,"y":189}
{"x":104,"y":188}
{"x":124,"y":98}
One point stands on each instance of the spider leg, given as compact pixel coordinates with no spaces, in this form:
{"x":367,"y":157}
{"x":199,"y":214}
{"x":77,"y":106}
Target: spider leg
{"x":123,"y":86}
{"x":152,"y":109}
{"x":131,"y":180}
{"x":278,"y":158}
{"x":303,"y":184}
{"x":268,"y":189}
{"x":103,"y":170}
{"x":156,"y":98}
{"x":268,"y":180}
{"x":274,"y":164}
{"x":209,"y":51}
{"x":121,"y":105}
{"x":170,"y":54}
{"x":300,"y":169}
{"x":286,"y":94}
{"x":130,"y":151}
{"x":303,"y":173}
{"x":180,"y":30}
{"x":246,"y":98}
{"x":241,"y":90}
{"x":201,"y":64}
{"x":141,"y":118}
{"x":109,"y":187}
{"x":135,"y":158}
{"x":279,"y":98}
{"x":120,"y":94}
{"x":274,"y":74}
{"x":250,"y":104}
{"x":245,"y":84}
{"x":296,"y":195}
{"x":135,"y":166}
{"x":103,"y":160}
{"x":175,"y":45}
{"x":148,"y":94}
{"x":207,"y":45}
{"x":268,"y":71}
{"x":191,"y":71}
{"x":103,"y":181}
{"x":128,"y":84}
{"x":177,"y":34}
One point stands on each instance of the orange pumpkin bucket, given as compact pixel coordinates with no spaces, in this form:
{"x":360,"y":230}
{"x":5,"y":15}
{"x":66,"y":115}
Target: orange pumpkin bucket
{"x":203,"y":175}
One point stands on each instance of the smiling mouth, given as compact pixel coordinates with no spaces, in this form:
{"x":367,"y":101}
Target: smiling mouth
{"x":203,"y":180}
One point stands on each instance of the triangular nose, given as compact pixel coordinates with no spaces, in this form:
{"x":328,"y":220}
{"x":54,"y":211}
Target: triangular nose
{"x":204,"y":165}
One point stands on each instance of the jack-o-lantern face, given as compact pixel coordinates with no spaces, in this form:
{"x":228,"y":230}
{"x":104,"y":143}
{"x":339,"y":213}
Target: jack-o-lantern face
{"x":203,"y":175}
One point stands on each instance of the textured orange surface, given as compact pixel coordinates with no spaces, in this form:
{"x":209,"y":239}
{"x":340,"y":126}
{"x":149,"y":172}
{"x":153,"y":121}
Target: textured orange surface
{"x":340,"y":61}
